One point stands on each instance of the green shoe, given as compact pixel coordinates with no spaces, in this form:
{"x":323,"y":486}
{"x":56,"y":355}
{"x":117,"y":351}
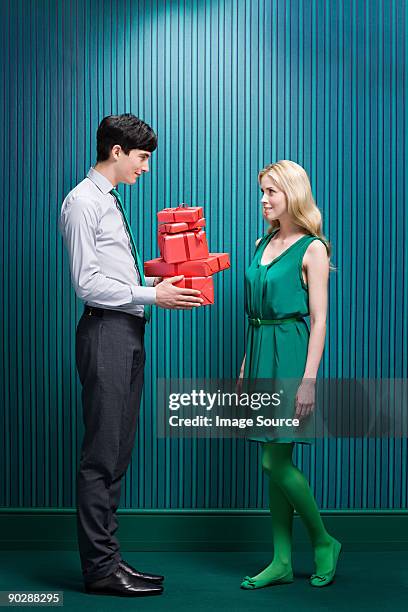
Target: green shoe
{"x":248,"y":583}
{"x":323,"y":580}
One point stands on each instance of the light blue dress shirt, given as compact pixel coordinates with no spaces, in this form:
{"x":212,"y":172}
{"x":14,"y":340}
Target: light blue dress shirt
{"x":103,"y":271}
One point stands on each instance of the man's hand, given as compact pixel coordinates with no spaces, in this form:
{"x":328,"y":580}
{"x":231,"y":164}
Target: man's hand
{"x":177,"y":298}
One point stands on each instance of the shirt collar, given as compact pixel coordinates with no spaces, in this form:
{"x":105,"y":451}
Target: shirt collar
{"x":100,"y":181}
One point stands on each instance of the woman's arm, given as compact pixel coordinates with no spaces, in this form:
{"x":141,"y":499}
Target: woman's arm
{"x":241,"y":374}
{"x":316,"y":263}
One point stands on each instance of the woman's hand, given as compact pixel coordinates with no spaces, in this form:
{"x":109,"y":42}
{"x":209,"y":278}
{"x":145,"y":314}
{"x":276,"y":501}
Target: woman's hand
{"x":157,"y":280}
{"x":305,"y":398}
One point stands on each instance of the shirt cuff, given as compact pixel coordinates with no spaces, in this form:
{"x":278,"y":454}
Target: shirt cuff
{"x":143,"y":295}
{"x":150,"y":280}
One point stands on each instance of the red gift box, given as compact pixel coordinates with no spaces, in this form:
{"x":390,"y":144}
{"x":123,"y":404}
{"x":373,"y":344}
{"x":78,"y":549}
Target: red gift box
{"x":215,"y":262}
{"x":180,"y":214}
{"x":205,"y":284}
{"x":175,"y":228}
{"x":175,"y":248}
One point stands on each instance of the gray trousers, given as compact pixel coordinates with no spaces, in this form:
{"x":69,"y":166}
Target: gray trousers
{"x":110,"y":358}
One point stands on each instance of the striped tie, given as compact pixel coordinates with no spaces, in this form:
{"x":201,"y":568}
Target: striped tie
{"x":136,"y":257}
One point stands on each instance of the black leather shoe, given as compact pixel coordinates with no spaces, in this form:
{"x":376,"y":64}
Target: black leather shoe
{"x":122,"y":584}
{"x":155,"y":578}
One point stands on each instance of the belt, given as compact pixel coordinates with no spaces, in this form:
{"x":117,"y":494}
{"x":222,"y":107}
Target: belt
{"x":259,"y":322}
{"x":92,"y":311}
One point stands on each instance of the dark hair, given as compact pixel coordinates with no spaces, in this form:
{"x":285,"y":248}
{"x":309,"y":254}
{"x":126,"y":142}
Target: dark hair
{"x":126,"y":130}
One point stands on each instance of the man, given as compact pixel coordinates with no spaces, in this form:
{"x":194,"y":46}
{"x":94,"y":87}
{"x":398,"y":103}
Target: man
{"x":107,"y":274}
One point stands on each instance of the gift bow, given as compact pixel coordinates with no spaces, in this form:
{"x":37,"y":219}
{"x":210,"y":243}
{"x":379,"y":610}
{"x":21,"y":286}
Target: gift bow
{"x":191,"y":229}
{"x":181,"y":206}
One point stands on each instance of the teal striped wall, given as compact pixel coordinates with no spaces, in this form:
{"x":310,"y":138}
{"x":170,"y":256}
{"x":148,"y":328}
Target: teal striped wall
{"x":228,"y":86}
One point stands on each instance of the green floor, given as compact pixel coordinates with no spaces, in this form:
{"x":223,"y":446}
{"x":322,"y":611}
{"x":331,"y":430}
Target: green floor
{"x":210,"y":581}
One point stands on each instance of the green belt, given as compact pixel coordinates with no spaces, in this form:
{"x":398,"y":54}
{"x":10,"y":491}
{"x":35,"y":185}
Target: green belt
{"x":259,"y":322}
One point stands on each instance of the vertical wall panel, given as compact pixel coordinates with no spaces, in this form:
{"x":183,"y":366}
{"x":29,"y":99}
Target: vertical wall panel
{"x":229,"y":86}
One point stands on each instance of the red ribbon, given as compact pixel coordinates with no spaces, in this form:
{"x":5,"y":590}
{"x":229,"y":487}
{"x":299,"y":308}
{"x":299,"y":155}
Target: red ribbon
{"x":197,"y":236}
{"x":186,"y":247}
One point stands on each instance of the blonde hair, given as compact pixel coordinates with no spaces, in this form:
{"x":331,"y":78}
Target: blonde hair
{"x":292,"y":179}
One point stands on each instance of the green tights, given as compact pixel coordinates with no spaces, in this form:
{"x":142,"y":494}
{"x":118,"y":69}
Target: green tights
{"x":289,"y":490}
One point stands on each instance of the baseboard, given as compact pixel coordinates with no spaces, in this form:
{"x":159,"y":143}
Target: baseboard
{"x":200,"y":530}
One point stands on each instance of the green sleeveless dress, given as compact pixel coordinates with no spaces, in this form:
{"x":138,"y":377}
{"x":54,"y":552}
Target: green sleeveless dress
{"x":278,"y":351}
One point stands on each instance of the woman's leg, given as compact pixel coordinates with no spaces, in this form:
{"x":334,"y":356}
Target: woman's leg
{"x":286,"y":477}
{"x":282,"y":521}
{"x":278,"y":458}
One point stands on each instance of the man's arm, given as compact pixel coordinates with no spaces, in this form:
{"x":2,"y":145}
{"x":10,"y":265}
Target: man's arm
{"x":78,"y":225}
{"x":150,"y":281}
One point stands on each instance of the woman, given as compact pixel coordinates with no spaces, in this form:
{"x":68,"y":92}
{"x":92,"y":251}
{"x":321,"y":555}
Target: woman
{"x":287,"y":280}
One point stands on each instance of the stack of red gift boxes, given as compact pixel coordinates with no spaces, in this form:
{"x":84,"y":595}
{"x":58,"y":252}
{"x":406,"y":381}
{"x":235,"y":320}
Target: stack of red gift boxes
{"x":184,"y":250}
